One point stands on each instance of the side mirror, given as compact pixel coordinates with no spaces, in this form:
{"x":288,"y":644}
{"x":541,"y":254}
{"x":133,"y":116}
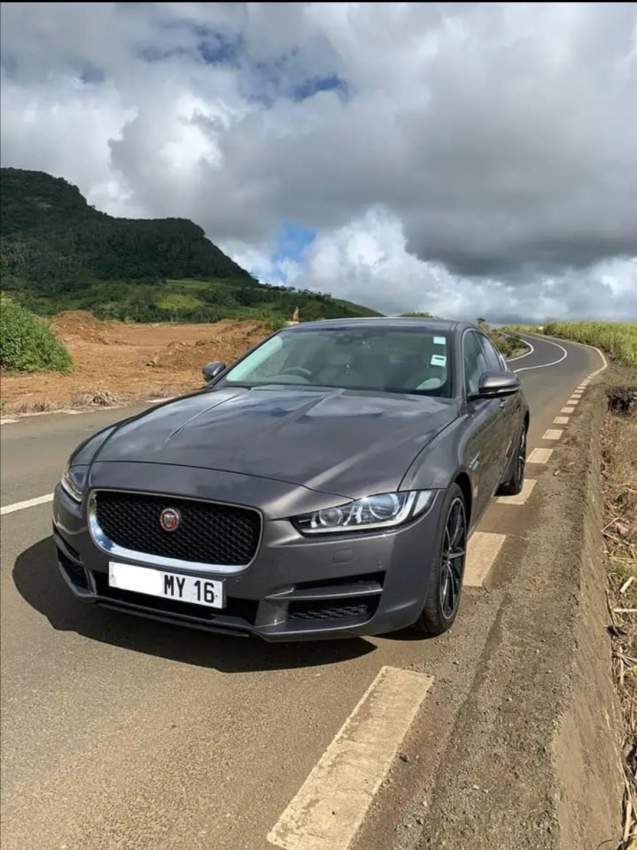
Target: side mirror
{"x":211,"y":370}
{"x":496,"y":384}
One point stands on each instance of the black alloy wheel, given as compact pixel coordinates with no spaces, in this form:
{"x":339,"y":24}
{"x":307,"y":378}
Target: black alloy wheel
{"x":453,"y":558}
{"x":442,"y":597}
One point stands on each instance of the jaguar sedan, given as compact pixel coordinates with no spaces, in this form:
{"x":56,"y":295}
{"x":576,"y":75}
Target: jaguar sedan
{"x":324,"y":485}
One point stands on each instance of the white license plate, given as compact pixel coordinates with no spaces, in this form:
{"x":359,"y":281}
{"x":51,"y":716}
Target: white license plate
{"x":201,"y":591}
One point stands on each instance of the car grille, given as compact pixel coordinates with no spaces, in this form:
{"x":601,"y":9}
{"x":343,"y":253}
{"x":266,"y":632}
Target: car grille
{"x":208,"y":533}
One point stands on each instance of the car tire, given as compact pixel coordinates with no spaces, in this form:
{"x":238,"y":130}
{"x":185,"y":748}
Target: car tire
{"x":514,"y":483}
{"x":442,"y":599}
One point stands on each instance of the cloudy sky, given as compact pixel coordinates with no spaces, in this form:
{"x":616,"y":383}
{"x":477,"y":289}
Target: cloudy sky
{"x":464,"y":159}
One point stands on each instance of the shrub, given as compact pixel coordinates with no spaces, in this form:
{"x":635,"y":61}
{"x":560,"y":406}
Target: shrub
{"x":27,"y":344}
{"x":276,"y":324}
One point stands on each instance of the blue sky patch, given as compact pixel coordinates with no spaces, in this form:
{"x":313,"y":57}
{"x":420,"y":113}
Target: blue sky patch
{"x":292,"y":242}
{"x":216,"y":49}
{"x":310,"y":87}
{"x":92,"y":74}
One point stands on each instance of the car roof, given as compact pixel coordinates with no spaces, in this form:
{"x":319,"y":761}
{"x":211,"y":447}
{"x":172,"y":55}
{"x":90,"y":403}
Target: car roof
{"x":442,"y":325}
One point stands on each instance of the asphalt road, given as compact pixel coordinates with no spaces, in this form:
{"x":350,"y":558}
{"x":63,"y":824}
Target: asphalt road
{"x":122,"y":733}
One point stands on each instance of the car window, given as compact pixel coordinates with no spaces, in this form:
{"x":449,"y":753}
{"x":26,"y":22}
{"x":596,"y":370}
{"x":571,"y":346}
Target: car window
{"x":475,"y":362}
{"x":492,"y":357}
{"x":390,"y":359}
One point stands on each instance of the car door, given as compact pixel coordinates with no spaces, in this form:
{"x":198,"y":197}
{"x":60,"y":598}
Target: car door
{"x":510,"y":406}
{"x":485,"y":450}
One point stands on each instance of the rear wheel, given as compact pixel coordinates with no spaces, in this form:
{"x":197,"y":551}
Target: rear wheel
{"x":514,"y":483}
{"x":445,"y":583}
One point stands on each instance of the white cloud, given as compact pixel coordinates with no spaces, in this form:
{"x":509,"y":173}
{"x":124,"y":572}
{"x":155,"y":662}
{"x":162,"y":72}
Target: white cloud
{"x":460,"y":153}
{"x":368,"y":262}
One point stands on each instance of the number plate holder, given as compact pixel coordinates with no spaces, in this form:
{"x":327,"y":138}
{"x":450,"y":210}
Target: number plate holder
{"x":178,"y":586}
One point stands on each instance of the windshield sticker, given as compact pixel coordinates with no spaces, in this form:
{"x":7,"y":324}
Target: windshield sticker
{"x":438,"y":360}
{"x":440,"y":340}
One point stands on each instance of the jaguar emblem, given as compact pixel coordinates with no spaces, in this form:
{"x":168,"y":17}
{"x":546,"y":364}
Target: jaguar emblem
{"x":169,"y":519}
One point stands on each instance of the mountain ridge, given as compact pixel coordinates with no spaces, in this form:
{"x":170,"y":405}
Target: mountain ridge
{"x":57,"y":252}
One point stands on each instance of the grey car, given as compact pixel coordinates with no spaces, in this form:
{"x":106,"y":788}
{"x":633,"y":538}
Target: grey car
{"x":324,"y":485}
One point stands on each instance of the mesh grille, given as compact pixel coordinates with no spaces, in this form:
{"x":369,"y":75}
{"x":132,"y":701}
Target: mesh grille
{"x":208,"y":533}
{"x":345,"y":610}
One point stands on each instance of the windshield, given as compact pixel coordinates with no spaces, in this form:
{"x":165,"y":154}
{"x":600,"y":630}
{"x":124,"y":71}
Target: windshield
{"x":410,"y":360}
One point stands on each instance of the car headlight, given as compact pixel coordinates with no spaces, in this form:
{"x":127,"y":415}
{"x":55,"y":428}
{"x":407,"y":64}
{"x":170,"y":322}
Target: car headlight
{"x":74,"y":481}
{"x":382,"y":511}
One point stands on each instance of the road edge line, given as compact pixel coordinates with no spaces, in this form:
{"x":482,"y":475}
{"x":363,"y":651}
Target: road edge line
{"x":330,"y":807}
{"x":27,"y":503}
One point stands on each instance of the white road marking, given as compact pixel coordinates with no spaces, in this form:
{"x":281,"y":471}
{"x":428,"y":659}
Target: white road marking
{"x":73,"y":412}
{"x":577,"y":393}
{"x":567,"y":409}
{"x":552,"y":434}
{"x":602,"y":367}
{"x":546,"y":365}
{"x":561,"y":420}
{"x":29,"y":503}
{"x":573,"y":401}
{"x":329,"y":808}
{"x":482,"y":551}
{"x":540,"y":456}
{"x":520,"y":498}
{"x":526,"y":353}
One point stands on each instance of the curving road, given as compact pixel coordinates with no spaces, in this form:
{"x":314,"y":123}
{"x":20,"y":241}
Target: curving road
{"x":122,"y":733}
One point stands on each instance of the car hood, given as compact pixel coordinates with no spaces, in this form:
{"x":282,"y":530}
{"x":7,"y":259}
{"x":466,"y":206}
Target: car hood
{"x":338,"y":441}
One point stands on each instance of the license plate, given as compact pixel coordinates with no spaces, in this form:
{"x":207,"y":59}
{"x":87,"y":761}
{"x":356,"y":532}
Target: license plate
{"x":201,"y":591}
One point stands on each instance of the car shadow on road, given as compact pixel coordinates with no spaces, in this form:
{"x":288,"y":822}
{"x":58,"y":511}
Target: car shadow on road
{"x":38,"y":581}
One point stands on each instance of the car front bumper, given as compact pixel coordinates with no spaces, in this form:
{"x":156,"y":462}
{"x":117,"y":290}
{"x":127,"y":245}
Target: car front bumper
{"x":296,"y":588}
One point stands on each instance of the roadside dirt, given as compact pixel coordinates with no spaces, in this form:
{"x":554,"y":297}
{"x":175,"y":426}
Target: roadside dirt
{"x":619,"y":479}
{"x":120,"y":361}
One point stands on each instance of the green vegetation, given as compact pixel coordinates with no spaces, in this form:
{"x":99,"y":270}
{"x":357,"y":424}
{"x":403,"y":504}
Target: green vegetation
{"x":189,"y":300}
{"x":27,"y":344}
{"x":53,"y":240}
{"x":618,"y":339}
{"x":507,"y":345}
{"x":58,"y":253}
{"x":523,"y":329}
{"x":416,"y":315}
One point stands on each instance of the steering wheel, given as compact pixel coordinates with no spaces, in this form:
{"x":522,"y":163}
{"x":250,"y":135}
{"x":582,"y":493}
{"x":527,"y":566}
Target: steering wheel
{"x":297,"y":370}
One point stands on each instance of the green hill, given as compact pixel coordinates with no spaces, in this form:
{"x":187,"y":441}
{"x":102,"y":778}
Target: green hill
{"x":59,"y":253}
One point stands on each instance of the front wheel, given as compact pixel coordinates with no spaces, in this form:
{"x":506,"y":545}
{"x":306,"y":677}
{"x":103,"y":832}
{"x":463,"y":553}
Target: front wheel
{"x":445,"y":583}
